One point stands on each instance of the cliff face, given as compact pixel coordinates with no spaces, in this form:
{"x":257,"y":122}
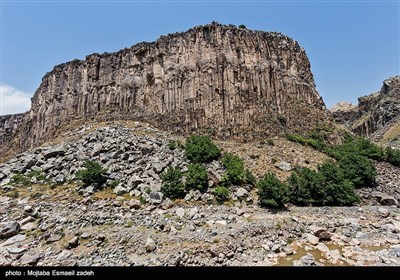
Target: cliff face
{"x":8,"y":127}
{"x":376,"y":114}
{"x":229,"y":82}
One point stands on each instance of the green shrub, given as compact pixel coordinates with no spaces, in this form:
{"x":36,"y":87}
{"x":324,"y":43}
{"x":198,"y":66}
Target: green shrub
{"x":296,"y":138}
{"x":200,"y":149}
{"x":37,"y":174}
{"x":172,"y":185}
{"x":304,"y":185}
{"x":316,"y":143}
{"x":393,"y":156}
{"x":196,"y":177}
{"x":328,"y":186}
{"x":339,"y":190}
{"x":242,"y":26}
{"x":249,"y":178}
{"x":358,"y":169}
{"x":369,"y":149}
{"x":359,"y":146}
{"x":21,"y":180}
{"x":92,"y":174}
{"x":221,"y":194}
{"x":272,"y":192}
{"x":234,"y":166}
{"x":172,"y":145}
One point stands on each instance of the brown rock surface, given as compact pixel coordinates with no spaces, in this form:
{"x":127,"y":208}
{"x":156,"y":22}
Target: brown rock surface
{"x":377,"y":115}
{"x":230,"y":82}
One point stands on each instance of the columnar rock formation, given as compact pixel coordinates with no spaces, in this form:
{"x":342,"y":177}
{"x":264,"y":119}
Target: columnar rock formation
{"x":230,"y":82}
{"x":8,"y":127}
{"x":376,"y":114}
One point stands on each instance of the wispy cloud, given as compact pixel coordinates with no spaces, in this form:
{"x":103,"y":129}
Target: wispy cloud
{"x":13,"y":101}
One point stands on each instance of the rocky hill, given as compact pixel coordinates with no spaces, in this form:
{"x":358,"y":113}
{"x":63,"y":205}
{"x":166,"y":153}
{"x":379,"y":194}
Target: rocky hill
{"x":229,"y":82}
{"x":106,"y":174}
{"x":48,"y":219}
{"x":377,"y":115}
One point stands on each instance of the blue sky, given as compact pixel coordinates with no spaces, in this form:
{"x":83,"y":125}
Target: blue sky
{"x":352,"y":45}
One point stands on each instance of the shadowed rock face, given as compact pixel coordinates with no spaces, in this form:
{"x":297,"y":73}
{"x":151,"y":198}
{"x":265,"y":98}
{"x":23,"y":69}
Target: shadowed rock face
{"x":376,"y":113}
{"x":229,"y":82}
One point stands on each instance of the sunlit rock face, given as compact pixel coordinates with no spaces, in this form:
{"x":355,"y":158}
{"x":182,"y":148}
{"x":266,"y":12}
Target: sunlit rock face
{"x":230,"y":82}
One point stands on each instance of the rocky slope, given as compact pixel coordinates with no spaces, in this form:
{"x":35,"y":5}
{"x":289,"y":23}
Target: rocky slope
{"x":59,"y":228}
{"x":377,"y":115}
{"x":135,"y":155}
{"x":227,"y":81}
{"x":50,"y":220}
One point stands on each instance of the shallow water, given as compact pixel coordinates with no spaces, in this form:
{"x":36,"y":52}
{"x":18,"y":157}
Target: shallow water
{"x":318,"y":255}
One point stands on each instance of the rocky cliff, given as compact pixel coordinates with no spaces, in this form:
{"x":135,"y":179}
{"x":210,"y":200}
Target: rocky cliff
{"x":8,"y":127}
{"x":227,"y":81}
{"x":377,"y":115}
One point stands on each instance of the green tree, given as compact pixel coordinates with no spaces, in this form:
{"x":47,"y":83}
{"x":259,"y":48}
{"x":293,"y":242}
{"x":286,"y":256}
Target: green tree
{"x":358,"y":169}
{"x":234,"y":166}
{"x":200,"y":149}
{"x":92,"y":174}
{"x":338,"y":189}
{"x":221,"y":194}
{"x":304,"y":185}
{"x":249,"y":178}
{"x":172,"y":185}
{"x":393,"y":156}
{"x":196,"y":177}
{"x":272,"y":192}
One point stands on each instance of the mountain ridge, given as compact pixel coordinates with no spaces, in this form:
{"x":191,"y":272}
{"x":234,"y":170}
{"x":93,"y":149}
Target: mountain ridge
{"x":377,"y":115}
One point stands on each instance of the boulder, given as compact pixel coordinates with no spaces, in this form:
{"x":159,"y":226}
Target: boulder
{"x":385,"y":199}
{"x":180,"y":212}
{"x":155,"y":197}
{"x":120,"y":189}
{"x":54,"y":151}
{"x":284,"y":166}
{"x":150,"y":245}
{"x":9,"y":229}
{"x":135,"y":204}
{"x":241,"y":193}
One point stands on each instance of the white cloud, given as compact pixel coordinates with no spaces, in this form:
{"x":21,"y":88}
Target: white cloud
{"x":13,"y":101}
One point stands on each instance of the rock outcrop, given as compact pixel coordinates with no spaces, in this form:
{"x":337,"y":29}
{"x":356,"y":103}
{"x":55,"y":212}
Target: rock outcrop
{"x":377,"y":115}
{"x":8,"y":127}
{"x":227,"y":81}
